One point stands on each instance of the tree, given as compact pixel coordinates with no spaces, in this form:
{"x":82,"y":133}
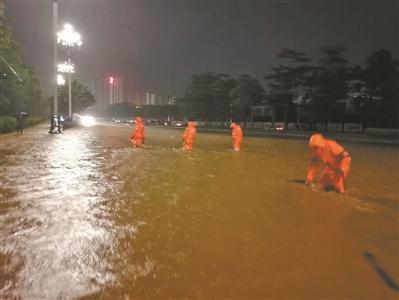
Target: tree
{"x":284,"y":79}
{"x":122,"y":110}
{"x":223,"y":86}
{"x":382,"y":79}
{"x":247,"y":92}
{"x":82,"y":97}
{"x":19,"y":89}
{"x":331,"y":82}
{"x":207,"y":96}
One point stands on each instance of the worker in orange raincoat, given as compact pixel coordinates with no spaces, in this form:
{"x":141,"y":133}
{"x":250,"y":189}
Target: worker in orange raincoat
{"x":189,"y":136}
{"x":137,"y":136}
{"x":236,"y":136}
{"x":335,"y":159}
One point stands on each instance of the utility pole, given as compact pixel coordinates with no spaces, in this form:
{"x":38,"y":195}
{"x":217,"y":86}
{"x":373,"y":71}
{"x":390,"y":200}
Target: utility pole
{"x":69,"y":86}
{"x":55,"y":21}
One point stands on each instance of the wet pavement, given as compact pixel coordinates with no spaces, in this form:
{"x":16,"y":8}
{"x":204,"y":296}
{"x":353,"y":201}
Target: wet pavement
{"x":85,"y":216}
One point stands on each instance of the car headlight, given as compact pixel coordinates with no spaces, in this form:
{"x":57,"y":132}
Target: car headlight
{"x":87,"y":121}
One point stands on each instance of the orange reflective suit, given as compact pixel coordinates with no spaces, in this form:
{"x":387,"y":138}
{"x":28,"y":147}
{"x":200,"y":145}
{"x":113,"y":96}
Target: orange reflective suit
{"x":189,"y":136}
{"x":137,"y":136}
{"x":335,"y":159}
{"x":236,"y":136}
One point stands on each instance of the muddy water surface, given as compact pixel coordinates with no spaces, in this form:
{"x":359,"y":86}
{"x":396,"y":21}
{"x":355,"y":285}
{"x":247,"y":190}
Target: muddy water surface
{"x":83,"y":215}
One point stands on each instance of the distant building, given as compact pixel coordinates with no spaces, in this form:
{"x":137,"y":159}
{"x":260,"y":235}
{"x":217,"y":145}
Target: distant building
{"x":172,"y":100}
{"x":147,"y":99}
{"x":151,"y":99}
{"x":140,"y":99}
{"x":159,"y":100}
{"x":115,"y":88}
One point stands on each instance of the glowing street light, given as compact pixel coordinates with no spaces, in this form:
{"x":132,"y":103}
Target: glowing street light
{"x":69,"y":38}
{"x":66,"y":67}
{"x":60,"y":79}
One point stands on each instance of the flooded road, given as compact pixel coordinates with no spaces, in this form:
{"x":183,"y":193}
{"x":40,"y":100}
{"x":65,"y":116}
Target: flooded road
{"x":85,"y":216}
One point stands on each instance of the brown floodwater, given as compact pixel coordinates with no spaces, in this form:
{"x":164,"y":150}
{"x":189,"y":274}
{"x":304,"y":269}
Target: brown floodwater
{"x":85,"y":216}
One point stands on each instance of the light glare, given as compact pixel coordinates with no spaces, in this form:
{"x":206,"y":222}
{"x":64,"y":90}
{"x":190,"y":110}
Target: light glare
{"x":68,"y":37}
{"x":87,"y":121}
{"x":66,"y":68}
{"x":60,"y":79}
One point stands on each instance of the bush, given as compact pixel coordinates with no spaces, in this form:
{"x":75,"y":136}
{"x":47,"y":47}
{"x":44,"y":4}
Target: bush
{"x":7,"y":124}
{"x":32,"y":121}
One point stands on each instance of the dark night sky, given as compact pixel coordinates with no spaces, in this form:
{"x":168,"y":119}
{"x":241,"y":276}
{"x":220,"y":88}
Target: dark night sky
{"x":158,"y":45}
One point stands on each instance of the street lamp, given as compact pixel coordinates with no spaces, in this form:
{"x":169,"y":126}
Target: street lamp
{"x":66,"y":67}
{"x":55,"y":78}
{"x":69,"y":38}
{"x":69,"y":68}
{"x":60,"y":79}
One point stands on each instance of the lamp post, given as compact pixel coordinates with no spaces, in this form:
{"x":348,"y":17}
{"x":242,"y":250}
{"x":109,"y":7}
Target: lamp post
{"x":60,"y":79}
{"x":55,"y":94}
{"x":55,"y":75}
{"x":69,"y":38}
{"x":68,"y":68}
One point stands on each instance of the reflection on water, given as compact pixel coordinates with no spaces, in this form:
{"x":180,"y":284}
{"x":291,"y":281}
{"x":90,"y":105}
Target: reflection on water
{"x":55,"y":228}
{"x":85,"y":215}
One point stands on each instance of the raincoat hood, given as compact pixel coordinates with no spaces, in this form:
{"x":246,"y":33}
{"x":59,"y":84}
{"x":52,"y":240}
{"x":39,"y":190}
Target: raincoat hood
{"x":317,"y":141}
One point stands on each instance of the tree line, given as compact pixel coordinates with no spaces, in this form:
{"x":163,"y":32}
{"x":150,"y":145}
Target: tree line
{"x":299,"y":87}
{"x":20,"y":90}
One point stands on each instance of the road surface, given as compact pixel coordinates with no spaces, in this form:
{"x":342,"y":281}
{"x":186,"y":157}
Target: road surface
{"x":85,"y":216}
